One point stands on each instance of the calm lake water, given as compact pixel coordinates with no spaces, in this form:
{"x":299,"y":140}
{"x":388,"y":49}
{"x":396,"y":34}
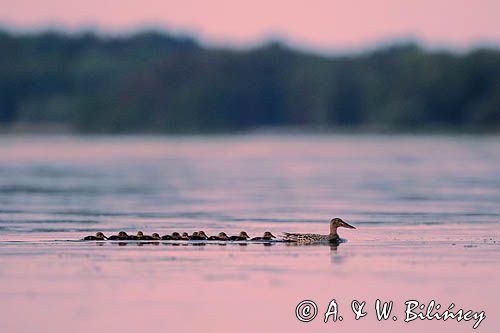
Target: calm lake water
{"x":427,"y":209}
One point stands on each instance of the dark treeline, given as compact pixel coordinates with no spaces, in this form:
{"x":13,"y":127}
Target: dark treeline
{"x":152,"y":82}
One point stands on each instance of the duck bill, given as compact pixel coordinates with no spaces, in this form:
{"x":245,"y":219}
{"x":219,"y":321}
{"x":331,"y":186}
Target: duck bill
{"x":347,"y":225}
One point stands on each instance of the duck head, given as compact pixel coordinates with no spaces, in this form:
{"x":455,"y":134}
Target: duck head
{"x":243,"y":234}
{"x":140,"y":234}
{"x":100,"y":235}
{"x":202,"y":234}
{"x":176,"y":234}
{"x":156,"y":235}
{"x":122,"y":234}
{"x":185,"y":235}
{"x":268,"y":234}
{"x":337,"y":223}
{"x":222,"y":235}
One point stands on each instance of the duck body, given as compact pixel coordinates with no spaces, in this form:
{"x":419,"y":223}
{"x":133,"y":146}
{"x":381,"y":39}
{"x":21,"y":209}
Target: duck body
{"x":267,"y":237}
{"x":332,"y":237}
{"x":166,"y":237}
{"x":310,"y":238}
{"x":220,"y":237}
{"x":237,"y":238}
{"x":243,"y":236}
{"x":261,"y":239}
{"x":91,"y":238}
{"x":115,"y":237}
{"x":98,"y":236}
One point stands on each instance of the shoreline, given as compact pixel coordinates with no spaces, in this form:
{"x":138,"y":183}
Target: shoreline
{"x":265,"y":131}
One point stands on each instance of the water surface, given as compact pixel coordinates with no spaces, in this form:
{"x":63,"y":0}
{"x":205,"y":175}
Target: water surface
{"x":427,"y":210}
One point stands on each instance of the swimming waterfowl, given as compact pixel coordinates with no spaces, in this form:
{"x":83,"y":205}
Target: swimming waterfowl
{"x":139,"y":236}
{"x":122,"y":235}
{"x":166,"y":237}
{"x":241,"y":237}
{"x":198,"y":235}
{"x":332,"y":237}
{"x":154,"y":236}
{"x":220,"y":237}
{"x":176,"y":236}
{"x":98,"y":236}
{"x":267,"y":237}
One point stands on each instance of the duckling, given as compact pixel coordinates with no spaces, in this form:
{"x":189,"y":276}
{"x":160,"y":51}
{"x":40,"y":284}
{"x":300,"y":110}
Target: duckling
{"x":196,"y":236}
{"x":220,"y":237}
{"x":139,"y":236}
{"x":122,"y":235}
{"x":166,"y":237}
{"x":332,"y":237}
{"x":98,"y":236}
{"x":241,"y":237}
{"x":267,"y":237}
{"x":185,"y":236}
{"x":153,"y":237}
{"x":202,"y":234}
{"x":176,"y":236}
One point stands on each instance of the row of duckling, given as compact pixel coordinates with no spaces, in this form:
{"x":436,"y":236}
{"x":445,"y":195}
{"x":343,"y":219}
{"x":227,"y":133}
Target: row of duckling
{"x":197,"y":235}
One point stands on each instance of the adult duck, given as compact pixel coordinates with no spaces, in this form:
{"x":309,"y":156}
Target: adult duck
{"x":332,"y":237}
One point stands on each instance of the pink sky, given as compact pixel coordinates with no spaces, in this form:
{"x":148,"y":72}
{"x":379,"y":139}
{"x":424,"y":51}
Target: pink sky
{"x":320,"y":24}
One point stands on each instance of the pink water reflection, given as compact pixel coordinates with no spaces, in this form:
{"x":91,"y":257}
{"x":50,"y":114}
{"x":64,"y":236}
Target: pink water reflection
{"x":50,"y":287}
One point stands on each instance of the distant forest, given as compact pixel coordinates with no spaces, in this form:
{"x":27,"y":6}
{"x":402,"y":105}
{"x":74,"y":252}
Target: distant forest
{"x":157,"y":83}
